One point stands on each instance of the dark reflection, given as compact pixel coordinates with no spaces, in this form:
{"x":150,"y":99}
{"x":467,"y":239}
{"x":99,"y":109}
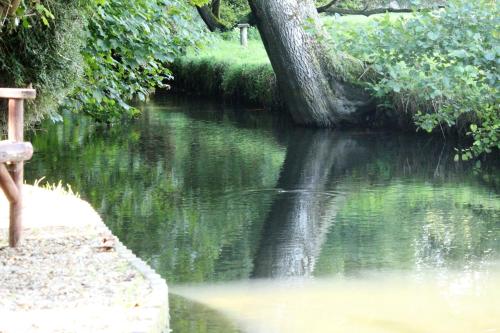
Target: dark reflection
{"x":211,"y":194}
{"x":301,"y":215}
{"x":352,"y":202}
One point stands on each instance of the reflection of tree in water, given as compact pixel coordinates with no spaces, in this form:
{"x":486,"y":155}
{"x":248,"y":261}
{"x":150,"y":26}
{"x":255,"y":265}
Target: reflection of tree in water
{"x":301,"y":215}
{"x":172,"y":188}
{"x":352,"y":202}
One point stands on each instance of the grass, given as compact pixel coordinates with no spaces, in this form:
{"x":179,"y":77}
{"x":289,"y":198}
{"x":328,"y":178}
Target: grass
{"x":56,"y":187}
{"x":231,"y":51}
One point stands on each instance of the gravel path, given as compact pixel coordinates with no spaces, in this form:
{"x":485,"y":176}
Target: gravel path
{"x":66,"y":276}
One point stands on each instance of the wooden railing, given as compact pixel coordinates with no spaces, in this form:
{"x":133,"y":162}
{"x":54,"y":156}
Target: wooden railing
{"x":13,"y":153}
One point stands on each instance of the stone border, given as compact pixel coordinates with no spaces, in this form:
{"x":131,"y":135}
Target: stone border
{"x":155,"y":313}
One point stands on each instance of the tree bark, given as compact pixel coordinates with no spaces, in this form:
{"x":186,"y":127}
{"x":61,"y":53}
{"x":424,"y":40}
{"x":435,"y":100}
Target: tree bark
{"x":314,"y":94}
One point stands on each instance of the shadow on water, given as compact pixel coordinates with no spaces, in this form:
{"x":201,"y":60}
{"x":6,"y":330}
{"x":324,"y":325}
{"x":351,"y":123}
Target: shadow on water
{"x":208,"y":195}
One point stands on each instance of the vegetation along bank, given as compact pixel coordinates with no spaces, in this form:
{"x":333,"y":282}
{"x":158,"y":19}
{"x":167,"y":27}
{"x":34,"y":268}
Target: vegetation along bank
{"x":434,"y":69}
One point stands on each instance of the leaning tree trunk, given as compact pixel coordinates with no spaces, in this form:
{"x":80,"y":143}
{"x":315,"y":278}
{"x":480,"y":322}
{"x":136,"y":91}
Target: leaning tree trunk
{"x":313,"y":92}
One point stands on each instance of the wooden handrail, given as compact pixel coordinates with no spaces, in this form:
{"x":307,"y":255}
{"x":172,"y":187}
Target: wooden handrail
{"x":15,"y":93}
{"x":15,"y":151}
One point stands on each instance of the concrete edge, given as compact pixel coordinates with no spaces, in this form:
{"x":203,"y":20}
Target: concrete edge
{"x":155,"y":314}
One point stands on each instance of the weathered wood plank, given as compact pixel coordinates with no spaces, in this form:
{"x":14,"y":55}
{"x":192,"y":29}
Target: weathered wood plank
{"x":15,"y":151}
{"x":17,"y":93}
{"x":7,"y":184}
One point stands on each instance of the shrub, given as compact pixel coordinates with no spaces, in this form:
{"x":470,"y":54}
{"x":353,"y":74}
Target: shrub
{"x":442,"y":66}
{"x":251,"y":84}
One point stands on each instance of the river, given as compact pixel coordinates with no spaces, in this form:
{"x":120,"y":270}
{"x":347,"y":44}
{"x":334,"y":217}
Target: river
{"x":261,"y":227}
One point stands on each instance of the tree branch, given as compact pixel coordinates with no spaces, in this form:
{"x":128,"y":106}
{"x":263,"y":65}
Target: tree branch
{"x":216,"y":8}
{"x":324,"y":8}
{"x":368,"y":12}
{"x":8,"y":9}
{"x":210,"y":20}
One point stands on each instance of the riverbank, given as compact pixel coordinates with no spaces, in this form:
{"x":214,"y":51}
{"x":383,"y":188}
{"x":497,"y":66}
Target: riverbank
{"x":227,"y":71}
{"x":233,"y":74}
{"x":230,"y":72}
{"x":71,"y":274}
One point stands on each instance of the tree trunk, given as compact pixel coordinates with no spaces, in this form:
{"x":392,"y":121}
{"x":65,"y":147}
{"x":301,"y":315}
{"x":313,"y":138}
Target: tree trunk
{"x":314,"y":94}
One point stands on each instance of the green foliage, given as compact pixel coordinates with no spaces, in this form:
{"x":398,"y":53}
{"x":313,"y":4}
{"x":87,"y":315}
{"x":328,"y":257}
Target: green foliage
{"x":442,"y":66}
{"x":41,"y":45}
{"x":232,"y":11}
{"x":128,"y":47}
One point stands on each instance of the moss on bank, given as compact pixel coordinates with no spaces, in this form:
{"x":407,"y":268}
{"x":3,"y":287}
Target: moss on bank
{"x":228,"y":71}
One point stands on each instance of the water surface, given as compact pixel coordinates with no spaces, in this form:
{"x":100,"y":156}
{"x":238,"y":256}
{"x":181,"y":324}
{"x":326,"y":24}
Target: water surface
{"x":260,"y":227}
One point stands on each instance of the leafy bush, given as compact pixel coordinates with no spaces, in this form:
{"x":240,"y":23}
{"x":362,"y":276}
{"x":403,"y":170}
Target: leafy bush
{"x":233,"y":10}
{"x":128,"y":47}
{"x":442,"y":66}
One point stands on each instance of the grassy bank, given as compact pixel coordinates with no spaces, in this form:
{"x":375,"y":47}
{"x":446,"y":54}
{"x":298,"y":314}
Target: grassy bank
{"x":228,"y":71}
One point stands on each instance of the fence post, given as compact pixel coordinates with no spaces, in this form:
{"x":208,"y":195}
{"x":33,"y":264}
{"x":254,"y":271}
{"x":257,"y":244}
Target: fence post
{"x":244,"y":34}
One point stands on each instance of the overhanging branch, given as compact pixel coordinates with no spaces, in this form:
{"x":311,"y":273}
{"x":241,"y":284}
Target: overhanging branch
{"x":369,"y":12}
{"x":323,"y":8}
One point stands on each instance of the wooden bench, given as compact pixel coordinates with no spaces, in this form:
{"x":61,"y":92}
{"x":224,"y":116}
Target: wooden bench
{"x":13,"y":153}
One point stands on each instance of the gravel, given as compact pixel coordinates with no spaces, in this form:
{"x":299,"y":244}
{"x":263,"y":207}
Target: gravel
{"x":66,"y":277}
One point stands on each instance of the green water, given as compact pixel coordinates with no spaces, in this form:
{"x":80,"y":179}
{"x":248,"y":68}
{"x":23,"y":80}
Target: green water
{"x":209,"y":195}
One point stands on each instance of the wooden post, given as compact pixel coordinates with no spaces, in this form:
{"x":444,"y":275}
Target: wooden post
{"x":244,"y":34}
{"x":16,"y":133}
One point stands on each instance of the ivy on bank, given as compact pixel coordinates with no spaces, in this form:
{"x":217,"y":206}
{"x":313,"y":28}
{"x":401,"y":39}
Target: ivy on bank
{"x":40,"y":43}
